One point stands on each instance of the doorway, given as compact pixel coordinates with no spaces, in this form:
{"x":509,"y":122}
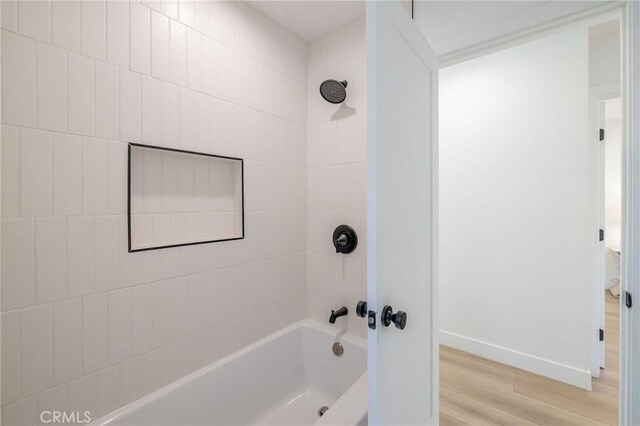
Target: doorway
{"x":520,"y":292}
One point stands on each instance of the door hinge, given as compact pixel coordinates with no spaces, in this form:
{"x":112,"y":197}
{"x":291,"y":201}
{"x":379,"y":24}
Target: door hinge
{"x":601,"y":335}
{"x":601,"y":134}
{"x":601,"y":235}
{"x":628,"y":299}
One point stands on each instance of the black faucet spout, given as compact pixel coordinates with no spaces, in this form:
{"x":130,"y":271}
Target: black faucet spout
{"x":341,"y":312}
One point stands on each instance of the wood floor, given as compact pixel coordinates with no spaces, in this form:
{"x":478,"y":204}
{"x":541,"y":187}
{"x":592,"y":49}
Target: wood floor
{"x":476,"y":391}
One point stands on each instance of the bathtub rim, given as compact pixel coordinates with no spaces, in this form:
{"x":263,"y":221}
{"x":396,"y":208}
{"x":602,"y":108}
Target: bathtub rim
{"x":335,"y":333}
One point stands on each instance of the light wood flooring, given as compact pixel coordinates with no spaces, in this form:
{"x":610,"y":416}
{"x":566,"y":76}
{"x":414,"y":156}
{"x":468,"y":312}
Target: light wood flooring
{"x":476,"y":391}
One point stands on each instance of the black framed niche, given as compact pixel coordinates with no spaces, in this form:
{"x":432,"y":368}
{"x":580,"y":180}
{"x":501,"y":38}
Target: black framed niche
{"x":178,"y":198}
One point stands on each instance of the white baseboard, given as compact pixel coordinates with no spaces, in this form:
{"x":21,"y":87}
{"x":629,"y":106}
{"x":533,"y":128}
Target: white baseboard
{"x":544,"y":367}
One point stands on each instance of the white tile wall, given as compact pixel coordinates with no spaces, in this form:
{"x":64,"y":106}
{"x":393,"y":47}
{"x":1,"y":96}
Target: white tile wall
{"x":67,"y":174}
{"x":33,"y":19}
{"x":118,"y":33}
{"x":86,"y":325}
{"x":336,"y":181}
{"x":81,"y":95}
{"x":65,"y":24}
{"x":52,"y":88}
{"x":18,"y":79}
{"x":93,"y":28}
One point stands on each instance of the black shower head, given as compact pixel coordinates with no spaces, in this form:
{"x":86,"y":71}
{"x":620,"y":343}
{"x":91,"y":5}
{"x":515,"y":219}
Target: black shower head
{"x":334,"y":91}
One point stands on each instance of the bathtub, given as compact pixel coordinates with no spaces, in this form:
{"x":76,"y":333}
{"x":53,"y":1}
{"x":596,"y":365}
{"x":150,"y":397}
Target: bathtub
{"x":283,"y":379}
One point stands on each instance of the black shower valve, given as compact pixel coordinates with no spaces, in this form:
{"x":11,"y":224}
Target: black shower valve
{"x":345,"y":239}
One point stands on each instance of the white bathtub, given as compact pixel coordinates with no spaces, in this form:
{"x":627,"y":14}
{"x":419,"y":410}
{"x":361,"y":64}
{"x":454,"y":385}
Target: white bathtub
{"x":282,"y":379}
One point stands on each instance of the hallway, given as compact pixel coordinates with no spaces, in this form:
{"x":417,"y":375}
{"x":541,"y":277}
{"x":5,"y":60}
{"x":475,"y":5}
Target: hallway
{"x":475,"y":391}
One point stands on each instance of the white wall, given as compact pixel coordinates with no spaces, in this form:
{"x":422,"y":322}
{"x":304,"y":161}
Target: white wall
{"x":336,"y":189}
{"x":604,"y":54}
{"x":515,"y":264}
{"x":85,"y":325}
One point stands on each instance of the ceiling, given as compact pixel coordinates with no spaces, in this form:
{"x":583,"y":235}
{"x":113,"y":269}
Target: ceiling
{"x":310,"y":19}
{"x":449,"y":25}
{"x":453,"y":25}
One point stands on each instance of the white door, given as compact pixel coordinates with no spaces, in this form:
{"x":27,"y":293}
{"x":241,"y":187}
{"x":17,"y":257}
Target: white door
{"x":402,"y":81}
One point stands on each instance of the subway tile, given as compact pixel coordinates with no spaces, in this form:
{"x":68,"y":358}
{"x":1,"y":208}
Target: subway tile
{"x":36,"y":349}
{"x":93,"y":29}
{"x":202,"y":17}
{"x":130,"y":263}
{"x":51,"y":259}
{"x":119,"y":325}
{"x":94,"y":176}
{"x":188,"y":355}
{"x":9,"y":15}
{"x":198,"y":313}
{"x":18,"y":261}
{"x":170,"y":115}
{"x":210,"y":66}
{"x":131,"y":380}
{"x":67,"y":175}
{"x":34,"y":19}
{"x":10,"y":357}
{"x":21,"y":413}
{"x":130,"y":106}
{"x":141,"y":319}
{"x":186,"y":12}
{"x":118,"y":33}
{"x":253,"y":290}
{"x":179,"y":323}
{"x":10,"y":171}
{"x":170,"y":8}
{"x":107,"y":276}
{"x":160,"y":47}
{"x":162,"y":312}
{"x":80,"y":255}
{"x":231,"y":293}
{"x":107,"y":390}
{"x":35,"y":173}
{"x":117,"y":178}
{"x":95,"y":332}
{"x":152,"y":371}
{"x":82,"y":98}
{"x":140,"y":38}
{"x":18,"y":79}
{"x":153,"y":4}
{"x":187,"y":119}
{"x":107,"y":101}
{"x":152,"y":265}
{"x":152,"y":185}
{"x":52,"y":88}
{"x":170,"y":363}
{"x":65,"y":24}
{"x":151,"y":111}
{"x":67,"y":338}
{"x":194,"y":60}
{"x":82,"y":396}
{"x":178,"y":53}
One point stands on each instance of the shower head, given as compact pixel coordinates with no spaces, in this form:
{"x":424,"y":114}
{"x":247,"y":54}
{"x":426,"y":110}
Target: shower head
{"x":334,"y":91}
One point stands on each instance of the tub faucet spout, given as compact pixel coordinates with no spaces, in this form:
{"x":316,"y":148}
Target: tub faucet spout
{"x":339,"y":313}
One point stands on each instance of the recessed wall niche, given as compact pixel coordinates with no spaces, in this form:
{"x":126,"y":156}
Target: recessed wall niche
{"x":178,"y":198}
